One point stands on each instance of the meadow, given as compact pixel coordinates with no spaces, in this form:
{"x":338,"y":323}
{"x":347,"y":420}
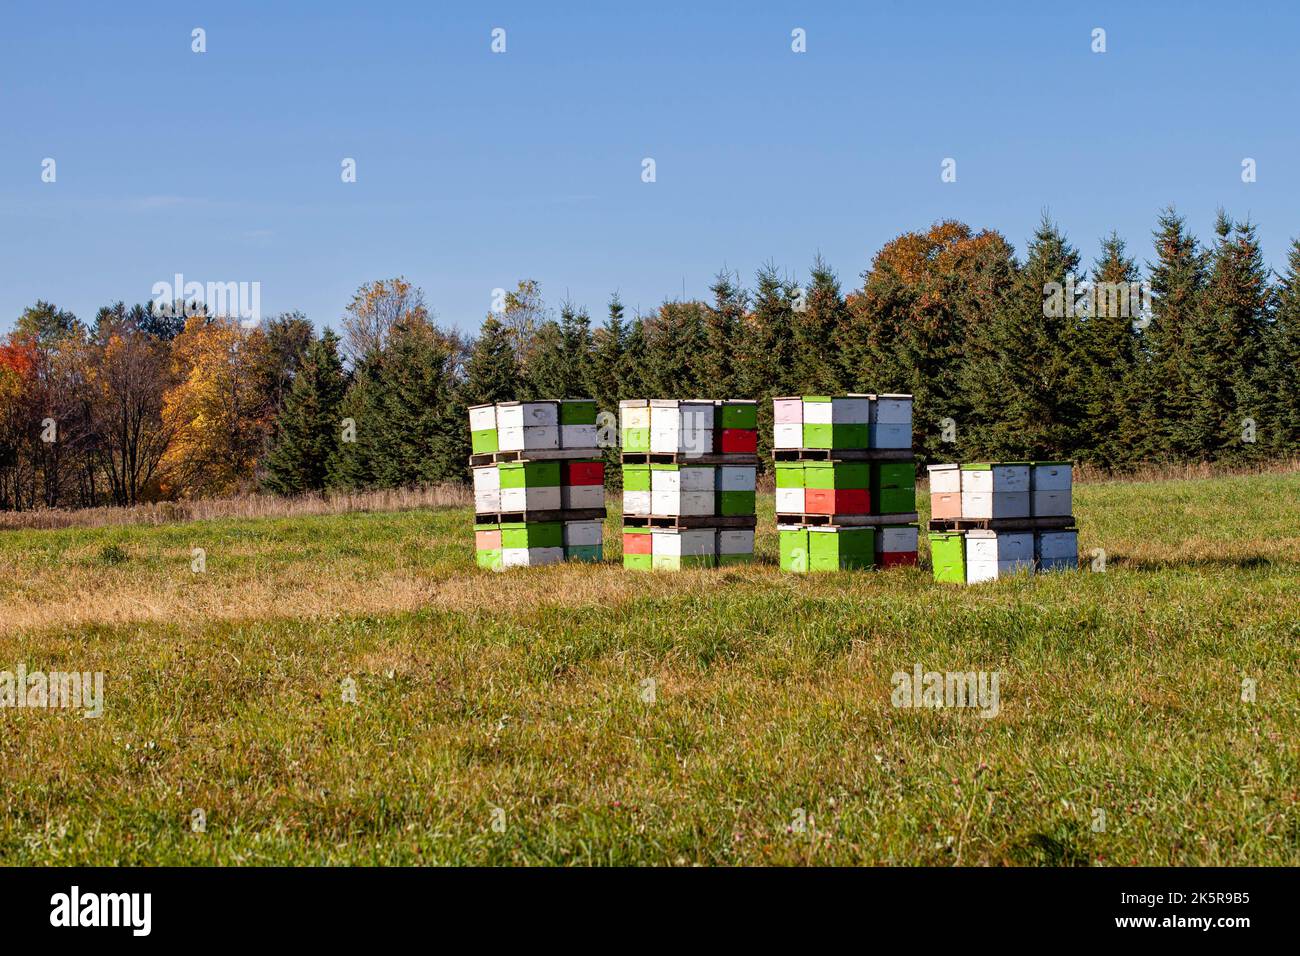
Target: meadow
{"x":588,"y":715}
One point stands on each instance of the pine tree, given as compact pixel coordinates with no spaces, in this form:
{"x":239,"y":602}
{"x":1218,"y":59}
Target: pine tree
{"x":816,"y":364}
{"x":492,"y":372}
{"x":1227,"y":347}
{"x":308,"y":427}
{"x":1104,"y":359}
{"x":607,"y":373}
{"x":420,"y":428}
{"x":354,"y":464}
{"x":1018,"y":376}
{"x":1280,"y":420}
{"x":1165,"y":392}
{"x":722,"y":325}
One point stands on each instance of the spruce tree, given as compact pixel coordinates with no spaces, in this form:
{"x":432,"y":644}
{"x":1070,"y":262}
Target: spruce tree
{"x":492,"y":372}
{"x":607,"y":372}
{"x":354,"y":464}
{"x":816,"y":364}
{"x":1018,"y":376}
{"x":308,"y":427}
{"x":1227,"y":347}
{"x":420,"y":425}
{"x":1165,"y":391}
{"x":1280,"y":421}
{"x":1105,"y":357}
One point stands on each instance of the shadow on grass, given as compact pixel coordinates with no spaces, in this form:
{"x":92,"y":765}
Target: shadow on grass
{"x":1250,"y":562}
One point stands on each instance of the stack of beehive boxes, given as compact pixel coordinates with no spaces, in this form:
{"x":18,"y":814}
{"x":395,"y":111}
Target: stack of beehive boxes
{"x":539,"y":483}
{"x":991,"y":519}
{"x":689,"y":471}
{"x":845,"y":481}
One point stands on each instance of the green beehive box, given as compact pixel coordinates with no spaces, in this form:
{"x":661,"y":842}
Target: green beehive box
{"x":582,"y":552}
{"x":529,"y":474}
{"x":841,"y":549}
{"x":794,"y":549}
{"x":894,"y":501}
{"x":482,"y":442}
{"x":490,"y":560}
{"x":842,"y":437}
{"x":739,"y":415}
{"x":948,"y":555}
{"x":833,"y":475}
{"x":532,"y":534}
{"x":578,"y":411}
{"x":893,"y":474}
{"x":636,"y":439}
{"x":636,"y":477}
{"x":789,"y":474}
{"x":735,"y":502}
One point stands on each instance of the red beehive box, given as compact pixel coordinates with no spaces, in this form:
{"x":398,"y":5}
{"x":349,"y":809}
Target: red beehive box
{"x":584,"y":473}
{"x":739,"y":441}
{"x":839,"y":501}
{"x":895,"y":559}
{"x":638,"y":543}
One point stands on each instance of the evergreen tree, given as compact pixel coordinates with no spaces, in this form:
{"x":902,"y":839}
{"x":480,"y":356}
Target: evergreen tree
{"x":1280,"y":420}
{"x":421,"y":426}
{"x":354,"y":464}
{"x":1227,"y":347}
{"x":1018,"y":376}
{"x":308,"y":427}
{"x":816,"y":365}
{"x":722,"y":324}
{"x":607,"y":372}
{"x":1165,"y":390}
{"x":492,"y":372}
{"x":1105,"y":357}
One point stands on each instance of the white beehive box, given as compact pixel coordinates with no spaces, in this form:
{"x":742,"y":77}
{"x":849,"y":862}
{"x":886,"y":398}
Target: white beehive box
{"x":994,"y":554}
{"x":944,"y":479}
{"x":683,"y":490}
{"x":1000,"y":504}
{"x":530,"y":557}
{"x":737,"y":478}
{"x":636,"y":503}
{"x":535,"y":498}
{"x":487,"y":489}
{"x":790,"y":501}
{"x":1057,"y":550}
{"x":528,"y":426}
{"x":735,"y":541}
{"x":892,"y":409}
{"x":681,"y":427}
{"x":482,"y":418}
{"x":634,"y":413}
{"x":582,"y":496}
{"x":999,"y":490}
{"x":1053,"y":476}
{"x":1051,"y":504}
{"x":995,"y":477}
{"x":893,"y":539}
{"x":582,"y":533}
{"x":787,"y":435}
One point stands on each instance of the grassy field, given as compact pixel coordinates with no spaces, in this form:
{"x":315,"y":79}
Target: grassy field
{"x":501,"y":718}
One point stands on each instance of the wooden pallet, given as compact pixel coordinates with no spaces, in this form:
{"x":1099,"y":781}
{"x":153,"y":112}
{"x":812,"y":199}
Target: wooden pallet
{"x":687,"y":458}
{"x":514,"y":517}
{"x":687,"y":522}
{"x":538,"y":454}
{"x":1041,"y":523}
{"x":848,"y":521}
{"x":842,"y":454}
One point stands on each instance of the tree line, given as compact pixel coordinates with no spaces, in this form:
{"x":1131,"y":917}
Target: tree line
{"x":1007,"y":358}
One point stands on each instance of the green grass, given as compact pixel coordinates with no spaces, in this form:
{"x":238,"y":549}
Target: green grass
{"x":1121,"y":692}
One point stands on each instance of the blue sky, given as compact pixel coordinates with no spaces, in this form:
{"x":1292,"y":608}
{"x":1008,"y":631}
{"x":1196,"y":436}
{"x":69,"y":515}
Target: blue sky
{"x":476,"y":169}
